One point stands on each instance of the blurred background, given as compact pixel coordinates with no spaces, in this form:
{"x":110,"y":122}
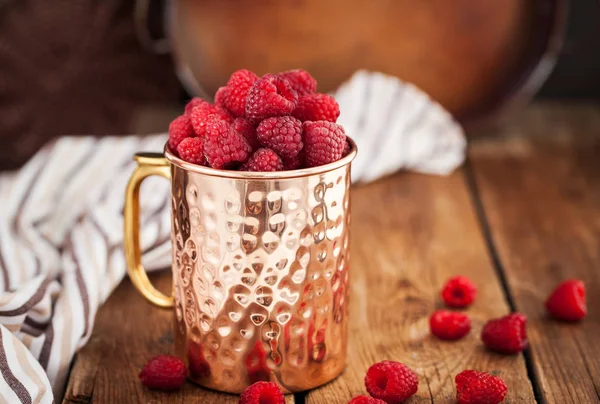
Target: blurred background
{"x":105,"y":67}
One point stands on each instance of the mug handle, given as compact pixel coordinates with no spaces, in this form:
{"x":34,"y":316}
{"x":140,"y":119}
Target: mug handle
{"x":148,"y":164}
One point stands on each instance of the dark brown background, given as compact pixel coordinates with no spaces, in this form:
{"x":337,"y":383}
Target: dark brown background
{"x":78,"y":68}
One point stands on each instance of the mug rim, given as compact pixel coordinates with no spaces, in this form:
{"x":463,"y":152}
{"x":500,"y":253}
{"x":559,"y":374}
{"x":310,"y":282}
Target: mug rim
{"x":304,"y":172}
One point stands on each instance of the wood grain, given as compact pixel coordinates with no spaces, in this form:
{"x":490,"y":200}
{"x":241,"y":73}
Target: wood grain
{"x":409,"y":234}
{"x":540,"y":189}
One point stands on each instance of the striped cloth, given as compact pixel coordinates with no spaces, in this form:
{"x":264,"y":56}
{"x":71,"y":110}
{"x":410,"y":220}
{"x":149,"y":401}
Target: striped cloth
{"x":61,"y":223}
{"x":61,"y":254}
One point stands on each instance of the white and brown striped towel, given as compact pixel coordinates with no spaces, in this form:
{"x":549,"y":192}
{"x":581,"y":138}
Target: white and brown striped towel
{"x":61,"y":224}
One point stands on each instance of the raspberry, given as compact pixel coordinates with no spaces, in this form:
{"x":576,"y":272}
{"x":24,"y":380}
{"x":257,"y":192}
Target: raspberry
{"x":567,"y":301}
{"x":270,"y":96}
{"x":282,"y":134}
{"x":392,"y":382}
{"x":347,"y":149}
{"x":223,"y":146}
{"x":238,"y":86}
{"x":179,"y":129}
{"x":164,"y":372}
{"x":324,"y":142}
{"x":220,"y":96}
{"x":459,"y":292}
{"x":473,"y":387}
{"x":366,"y":400}
{"x":317,"y":107}
{"x":300,"y":80}
{"x":506,"y":335}
{"x":192,"y":150}
{"x":200,"y":114}
{"x":449,"y":325}
{"x":295,"y":162}
{"x":246,"y":129}
{"x":262,"y":393}
{"x":194,"y":102}
{"x":263,"y":160}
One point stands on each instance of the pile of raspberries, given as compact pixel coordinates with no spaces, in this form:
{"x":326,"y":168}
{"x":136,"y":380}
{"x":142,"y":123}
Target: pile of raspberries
{"x":271,"y":123}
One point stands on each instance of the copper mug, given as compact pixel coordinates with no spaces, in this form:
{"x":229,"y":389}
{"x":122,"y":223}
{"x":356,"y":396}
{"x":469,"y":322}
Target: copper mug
{"x":260,"y":270}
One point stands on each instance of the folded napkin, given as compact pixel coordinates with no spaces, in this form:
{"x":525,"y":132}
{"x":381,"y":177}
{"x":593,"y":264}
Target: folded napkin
{"x":61,"y":223}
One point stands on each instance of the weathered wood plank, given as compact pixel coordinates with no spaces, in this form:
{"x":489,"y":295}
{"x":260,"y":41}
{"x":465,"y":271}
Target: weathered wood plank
{"x":539,"y":182}
{"x":128,"y":331}
{"x":409,"y":234}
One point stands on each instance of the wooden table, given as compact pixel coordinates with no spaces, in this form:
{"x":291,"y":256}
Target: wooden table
{"x":522,"y":215}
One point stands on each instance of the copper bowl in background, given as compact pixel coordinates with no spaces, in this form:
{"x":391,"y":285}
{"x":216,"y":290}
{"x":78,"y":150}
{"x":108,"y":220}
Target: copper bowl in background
{"x":474,"y":57}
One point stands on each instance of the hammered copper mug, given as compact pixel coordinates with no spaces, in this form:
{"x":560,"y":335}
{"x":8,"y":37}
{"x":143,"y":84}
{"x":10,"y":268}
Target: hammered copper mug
{"x":260,"y":270}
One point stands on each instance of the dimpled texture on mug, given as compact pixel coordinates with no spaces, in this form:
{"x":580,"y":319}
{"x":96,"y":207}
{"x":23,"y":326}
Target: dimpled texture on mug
{"x":262,"y":262}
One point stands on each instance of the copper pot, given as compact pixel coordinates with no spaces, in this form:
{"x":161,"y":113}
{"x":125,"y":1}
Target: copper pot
{"x":474,"y":57}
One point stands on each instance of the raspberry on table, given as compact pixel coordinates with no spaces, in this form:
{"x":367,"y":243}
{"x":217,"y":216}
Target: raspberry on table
{"x":317,"y":107}
{"x":238,"y":86}
{"x":300,"y":80}
{"x":392,"y":382}
{"x":191,"y":150}
{"x":282,"y":134}
{"x":324,"y":142}
{"x":473,"y":387}
{"x":506,"y":335}
{"x":449,"y":325}
{"x":180,"y":128}
{"x":224,"y":146}
{"x":270,"y":96}
{"x":163,"y":372}
{"x":194,"y":102}
{"x":200,"y":114}
{"x":263,"y":160}
{"x":366,"y":400}
{"x":262,"y":393}
{"x":246,"y":129}
{"x":567,"y":301}
{"x":459,"y":292}
{"x":220,"y":96}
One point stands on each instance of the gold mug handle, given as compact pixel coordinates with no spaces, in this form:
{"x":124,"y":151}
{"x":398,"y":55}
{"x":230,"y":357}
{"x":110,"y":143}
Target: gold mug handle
{"x":148,"y":164}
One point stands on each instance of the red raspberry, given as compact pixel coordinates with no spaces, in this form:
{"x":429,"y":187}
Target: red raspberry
{"x":506,"y":335}
{"x":300,"y":80}
{"x":317,"y":107}
{"x":295,"y":162}
{"x":567,"y":301}
{"x":366,"y":400}
{"x":263,"y":160}
{"x":270,"y":96}
{"x":473,"y":387}
{"x":220,"y":96}
{"x":164,"y":372}
{"x":223,"y":146}
{"x":324,"y":142}
{"x":194,"y":102}
{"x":347,"y":148}
{"x":238,"y":86}
{"x":392,"y":382}
{"x":179,"y":129}
{"x":449,"y":325}
{"x":262,"y":393}
{"x":202,"y":112}
{"x":246,"y":129}
{"x":192,"y":150}
{"x":459,"y":292}
{"x":282,"y":134}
